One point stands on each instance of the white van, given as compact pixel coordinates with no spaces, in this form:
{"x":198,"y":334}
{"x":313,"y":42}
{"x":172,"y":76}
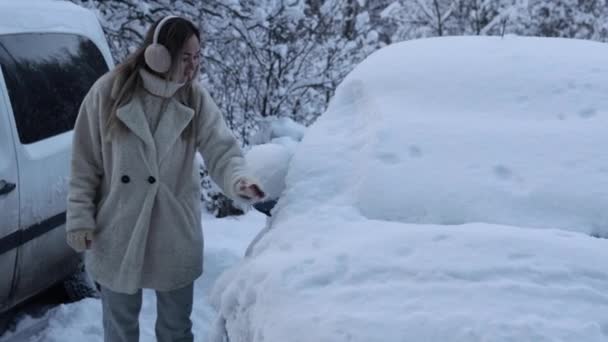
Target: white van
{"x":51,"y":52}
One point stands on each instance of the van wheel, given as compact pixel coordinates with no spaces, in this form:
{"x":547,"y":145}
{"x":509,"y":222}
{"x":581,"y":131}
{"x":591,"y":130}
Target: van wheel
{"x":79,"y":286}
{"x":5,"y":321}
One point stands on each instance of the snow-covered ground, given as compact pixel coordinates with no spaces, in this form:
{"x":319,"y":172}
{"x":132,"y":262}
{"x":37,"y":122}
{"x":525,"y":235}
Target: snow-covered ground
{"x":225,"y":243}
{"x":449,"y":193}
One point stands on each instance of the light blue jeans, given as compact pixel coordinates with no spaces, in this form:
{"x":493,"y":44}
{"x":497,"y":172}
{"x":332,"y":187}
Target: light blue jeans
{"x":121,"y":315}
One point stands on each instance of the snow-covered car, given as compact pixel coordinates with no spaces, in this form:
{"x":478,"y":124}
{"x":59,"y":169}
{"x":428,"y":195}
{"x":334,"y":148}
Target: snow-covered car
{"x":456,"y":189}
{"x":51,"y":52}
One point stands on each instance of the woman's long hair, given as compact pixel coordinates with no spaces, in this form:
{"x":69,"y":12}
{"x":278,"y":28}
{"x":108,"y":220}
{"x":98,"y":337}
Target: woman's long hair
{"x":173,"y":35}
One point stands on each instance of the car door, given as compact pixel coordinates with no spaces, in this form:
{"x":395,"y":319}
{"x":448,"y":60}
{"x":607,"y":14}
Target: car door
{"x":47,"y":76}
{"x":9,"y":200}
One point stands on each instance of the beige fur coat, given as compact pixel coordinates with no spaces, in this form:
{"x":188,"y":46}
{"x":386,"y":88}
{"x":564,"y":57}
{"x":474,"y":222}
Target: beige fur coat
{"x":139,"y":191}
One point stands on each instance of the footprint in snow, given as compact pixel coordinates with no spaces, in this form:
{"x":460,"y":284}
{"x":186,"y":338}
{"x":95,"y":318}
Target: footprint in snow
{"x":587,"y":113}
{"x":519,"y":256}
{"x":415,"y":151}
{"x":503,"y":172}
{"x":440,"y":237}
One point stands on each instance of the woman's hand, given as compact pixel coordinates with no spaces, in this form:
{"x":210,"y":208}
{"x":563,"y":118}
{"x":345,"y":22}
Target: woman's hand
{"x":80,"y":240}
{"x":249,"y":189}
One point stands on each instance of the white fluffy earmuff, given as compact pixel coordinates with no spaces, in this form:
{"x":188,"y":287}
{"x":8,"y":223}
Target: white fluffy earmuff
{"x":156,"y":55}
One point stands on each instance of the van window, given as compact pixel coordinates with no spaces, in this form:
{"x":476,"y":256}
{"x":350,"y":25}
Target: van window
{"x":47,"y":76}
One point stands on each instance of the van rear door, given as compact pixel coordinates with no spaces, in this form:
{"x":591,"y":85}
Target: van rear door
{"x":9,"y":200}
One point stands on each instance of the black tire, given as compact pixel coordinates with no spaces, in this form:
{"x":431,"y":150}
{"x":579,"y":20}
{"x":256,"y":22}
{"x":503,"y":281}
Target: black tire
{"x":5,"y":321}
{"x":80,"y":286}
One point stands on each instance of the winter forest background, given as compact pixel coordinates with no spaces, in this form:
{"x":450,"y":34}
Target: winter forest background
{"x":266,"y":59}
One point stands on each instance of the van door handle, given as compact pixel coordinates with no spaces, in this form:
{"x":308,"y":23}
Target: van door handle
{"x":6,"y":187}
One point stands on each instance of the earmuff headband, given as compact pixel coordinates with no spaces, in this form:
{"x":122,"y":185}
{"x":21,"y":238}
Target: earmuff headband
{"x":159,"y":26}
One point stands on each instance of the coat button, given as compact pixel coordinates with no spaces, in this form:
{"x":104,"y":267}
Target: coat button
{"x":125,"y":179}
{"x":151,"y":180}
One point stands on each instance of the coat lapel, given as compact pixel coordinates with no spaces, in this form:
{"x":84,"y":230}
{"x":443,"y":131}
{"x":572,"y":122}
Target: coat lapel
{"x":133,"y":116}
{"x":172,"y":122}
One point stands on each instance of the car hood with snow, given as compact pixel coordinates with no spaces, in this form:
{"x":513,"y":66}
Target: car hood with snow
{"x":450,"y":192}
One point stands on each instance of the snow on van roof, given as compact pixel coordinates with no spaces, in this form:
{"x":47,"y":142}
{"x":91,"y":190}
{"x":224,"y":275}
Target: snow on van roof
{"x":50,"y":16}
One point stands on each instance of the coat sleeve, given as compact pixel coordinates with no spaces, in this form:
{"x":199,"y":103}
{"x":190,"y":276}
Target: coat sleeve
{"x":218,"y":146}
{"x":86,"y":166}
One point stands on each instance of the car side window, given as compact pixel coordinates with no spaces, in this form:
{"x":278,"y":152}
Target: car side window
{"x":47,"y":76}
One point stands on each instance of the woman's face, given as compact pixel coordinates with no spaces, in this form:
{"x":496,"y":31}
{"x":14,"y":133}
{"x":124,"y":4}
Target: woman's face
{"x":189,"y":59}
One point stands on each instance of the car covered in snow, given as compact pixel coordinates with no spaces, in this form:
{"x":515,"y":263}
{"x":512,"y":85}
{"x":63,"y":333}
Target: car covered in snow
{"x":51,"y":52}
{"x":456,"y":189}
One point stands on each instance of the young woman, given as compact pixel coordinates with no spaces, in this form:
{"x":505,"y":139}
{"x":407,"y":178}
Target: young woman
{"x":134,"y":196}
